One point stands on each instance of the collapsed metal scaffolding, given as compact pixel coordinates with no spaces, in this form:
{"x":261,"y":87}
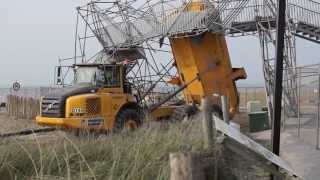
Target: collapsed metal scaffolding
{"x":136,"y":31}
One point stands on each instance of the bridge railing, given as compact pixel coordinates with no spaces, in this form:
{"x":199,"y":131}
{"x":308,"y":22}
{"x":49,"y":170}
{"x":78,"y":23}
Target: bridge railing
{"x":307,"y":4}
{"x":303,"y":14}
{"x":177,"y":21}
{"x":249,"y":13}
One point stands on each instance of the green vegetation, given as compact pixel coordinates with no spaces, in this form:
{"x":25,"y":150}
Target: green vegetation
{"x":142,"y":154}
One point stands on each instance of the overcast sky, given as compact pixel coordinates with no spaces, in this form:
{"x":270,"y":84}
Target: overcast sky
{"x":34,"y":33}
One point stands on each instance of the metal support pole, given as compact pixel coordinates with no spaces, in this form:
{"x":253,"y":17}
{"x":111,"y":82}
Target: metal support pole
{"x":75,"y":39}
{"x":318,"y":120}
{"x":277,"y":99}
{"x":225,"y":109}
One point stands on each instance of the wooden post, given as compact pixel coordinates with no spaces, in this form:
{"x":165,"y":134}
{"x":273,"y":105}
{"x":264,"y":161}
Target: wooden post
{"x":30,"y":108}
{"x":225,"y":109}
{"x":33,"y":104}
{"x":17,"y":107}
{"x":209,"y":131}
{"x":38,"y":107}
{"x":16,"y":110}
{"x":11,"y":105}
{"x":25,"y":107}
{"x":246,"y":97}
{"x":8,"y":105}
{"x":19,"y":104}
{"x":16,"y":99}
{"x":186,"y":166}
{"x":11,"y":102}
{"x":207,"y":124}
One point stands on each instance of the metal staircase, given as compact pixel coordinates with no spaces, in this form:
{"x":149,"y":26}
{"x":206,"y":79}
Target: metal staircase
{"x":303,"y":20}
{"x":306,"y":18}
{"x":303,"y":16}
{"x":260,"y":18}
{"x":308,"y":32}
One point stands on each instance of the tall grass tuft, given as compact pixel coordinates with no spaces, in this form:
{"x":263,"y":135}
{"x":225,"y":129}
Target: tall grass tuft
{"x":141,"y":154}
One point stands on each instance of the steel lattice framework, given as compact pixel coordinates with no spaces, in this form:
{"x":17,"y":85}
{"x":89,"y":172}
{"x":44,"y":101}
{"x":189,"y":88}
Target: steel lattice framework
{"x":136,"y":32}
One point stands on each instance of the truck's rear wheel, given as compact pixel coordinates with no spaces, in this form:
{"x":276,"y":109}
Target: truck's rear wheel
{"x":129,"y":119}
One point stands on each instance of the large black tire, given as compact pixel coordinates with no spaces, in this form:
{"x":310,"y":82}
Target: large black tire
{"x":126,"y":116}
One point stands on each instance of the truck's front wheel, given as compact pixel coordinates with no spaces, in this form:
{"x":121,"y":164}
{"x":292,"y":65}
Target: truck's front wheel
{"x":127,"y":118}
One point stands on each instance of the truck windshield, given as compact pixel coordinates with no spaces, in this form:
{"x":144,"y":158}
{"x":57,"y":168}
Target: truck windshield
{"x":98,"y":76}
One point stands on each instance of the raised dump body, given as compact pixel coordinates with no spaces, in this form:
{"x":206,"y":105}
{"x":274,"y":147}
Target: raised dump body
{"x":206,"y":56}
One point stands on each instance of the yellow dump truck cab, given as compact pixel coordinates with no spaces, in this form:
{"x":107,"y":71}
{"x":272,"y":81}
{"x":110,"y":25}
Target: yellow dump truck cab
{"x":100,"y":99}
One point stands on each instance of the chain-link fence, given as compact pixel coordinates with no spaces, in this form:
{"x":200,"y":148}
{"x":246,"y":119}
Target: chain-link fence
{"x":305,"y":124}
{"x":251,"y":93}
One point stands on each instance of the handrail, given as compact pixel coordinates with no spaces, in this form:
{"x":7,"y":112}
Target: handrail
{"x":302,"y":14}
{"x":306,"y":11}
{"x":309,"y":4}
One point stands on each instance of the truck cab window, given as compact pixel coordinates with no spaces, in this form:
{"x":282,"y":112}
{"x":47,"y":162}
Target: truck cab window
{"x":112,"y":76}
{"x":100,"y":76}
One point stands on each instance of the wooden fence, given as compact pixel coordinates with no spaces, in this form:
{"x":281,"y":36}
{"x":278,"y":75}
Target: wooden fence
{"x":23,"y":107}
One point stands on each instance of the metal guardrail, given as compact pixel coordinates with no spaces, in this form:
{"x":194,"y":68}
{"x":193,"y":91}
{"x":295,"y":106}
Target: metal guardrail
{"x":307,"y":16}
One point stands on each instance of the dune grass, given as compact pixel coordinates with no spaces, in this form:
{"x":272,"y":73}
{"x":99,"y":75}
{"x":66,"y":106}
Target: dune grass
{"x":142,"y":154}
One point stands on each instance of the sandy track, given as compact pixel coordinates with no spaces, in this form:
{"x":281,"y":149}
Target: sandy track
{"x":10,"y":124}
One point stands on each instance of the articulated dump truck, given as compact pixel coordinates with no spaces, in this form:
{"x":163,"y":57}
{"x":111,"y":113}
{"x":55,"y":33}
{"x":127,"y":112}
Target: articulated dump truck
{"x":204,"y":70}
{"x":100,"y":99}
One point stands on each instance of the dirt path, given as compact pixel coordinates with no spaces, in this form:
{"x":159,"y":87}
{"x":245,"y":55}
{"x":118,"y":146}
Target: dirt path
{"x":9,"y":124}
